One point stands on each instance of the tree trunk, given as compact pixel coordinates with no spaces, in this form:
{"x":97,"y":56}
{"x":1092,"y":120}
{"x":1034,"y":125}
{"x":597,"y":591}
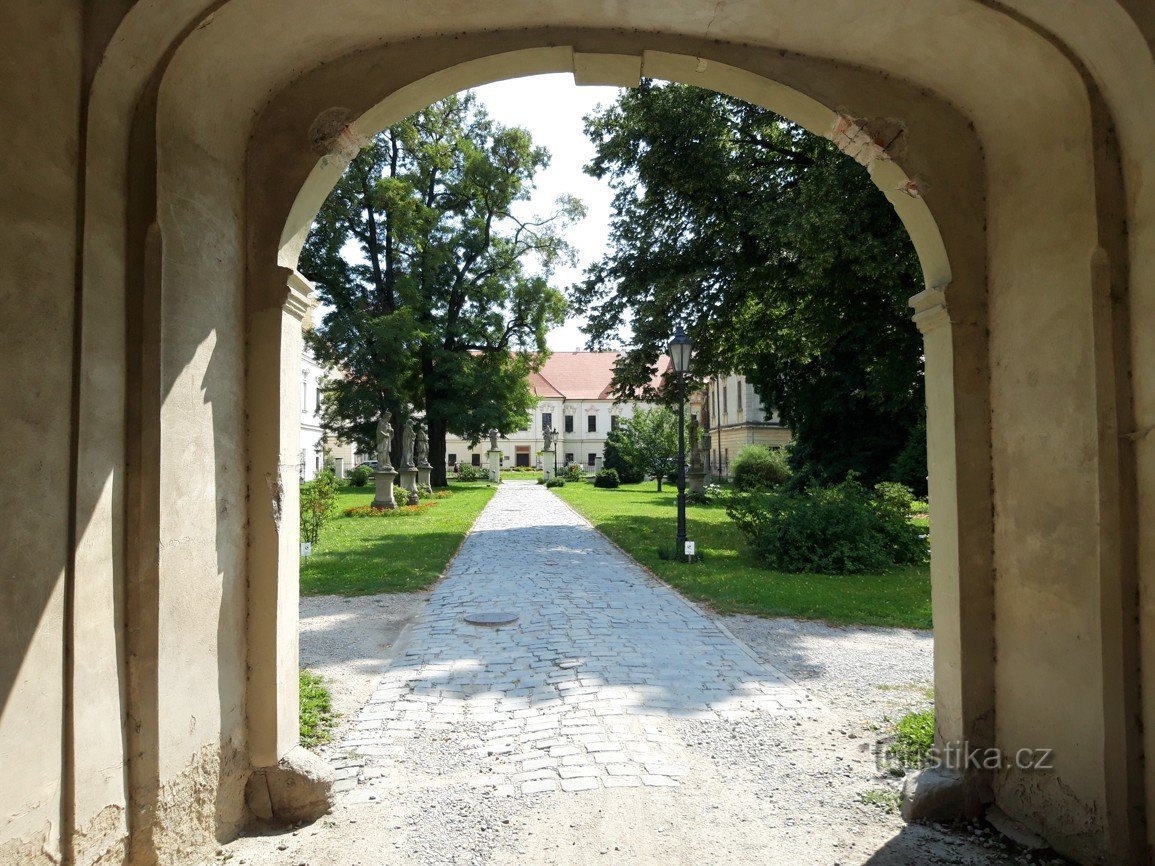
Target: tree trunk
{"x":437,"y":433}
{"x":659,"y":482}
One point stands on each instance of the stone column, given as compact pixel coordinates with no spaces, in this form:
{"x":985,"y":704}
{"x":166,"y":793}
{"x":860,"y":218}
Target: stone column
{"x":273,"y":401}
{"x":495,"y":466}
{"x":962,"y":590}
{"x":696,"y":481}
{"x":383,"y":478}
{"x":547,"y":463}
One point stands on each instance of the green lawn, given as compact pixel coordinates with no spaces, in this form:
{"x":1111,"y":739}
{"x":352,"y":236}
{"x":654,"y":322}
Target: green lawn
{"x":364,"y":555}
{"x":729,"y":579}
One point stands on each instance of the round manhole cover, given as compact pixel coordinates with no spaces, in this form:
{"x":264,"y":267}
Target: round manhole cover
{"x":491,"y":618}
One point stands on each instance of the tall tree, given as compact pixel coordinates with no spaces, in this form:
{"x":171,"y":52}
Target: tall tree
{"x":779,"y":256}
{"x":648,"y":441}
{"x":437,"y":312}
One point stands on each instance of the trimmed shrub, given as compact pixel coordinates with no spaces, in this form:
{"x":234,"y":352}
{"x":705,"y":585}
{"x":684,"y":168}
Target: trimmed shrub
{"x":844,"y":529}
{"x":607,"y":478}
{"x":760,"y":468}
{"x":555,"y":482}
{"x":473,"y":473}
{"x":360,"y":476}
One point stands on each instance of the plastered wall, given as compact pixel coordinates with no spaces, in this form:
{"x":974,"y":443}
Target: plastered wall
{"x":196,"y":120}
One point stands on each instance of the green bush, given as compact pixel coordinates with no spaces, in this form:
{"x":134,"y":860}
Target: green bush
{"x":472,"y":473}
{"x":613,"y":458}
{"x":555,"y":482}
{"x":318,"y":502}
{"x":760,"y":468}
{"x":607,"y":478}
{"x":360,"y":476}
{"x":573,"y":472}
{"x":843,"y":529}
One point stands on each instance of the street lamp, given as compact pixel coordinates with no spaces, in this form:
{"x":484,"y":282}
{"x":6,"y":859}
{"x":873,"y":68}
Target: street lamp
{"x":680,"y":349}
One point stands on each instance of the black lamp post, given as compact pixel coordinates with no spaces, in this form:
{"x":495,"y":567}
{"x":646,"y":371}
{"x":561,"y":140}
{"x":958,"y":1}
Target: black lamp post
{"x":680,"y":349}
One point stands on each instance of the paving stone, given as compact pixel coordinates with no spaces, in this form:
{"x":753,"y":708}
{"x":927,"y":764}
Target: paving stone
{"x":559,"y":696}
{"x":580,"y":784}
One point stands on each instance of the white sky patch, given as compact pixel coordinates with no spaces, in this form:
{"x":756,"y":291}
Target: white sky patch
{"x":551,"y":107}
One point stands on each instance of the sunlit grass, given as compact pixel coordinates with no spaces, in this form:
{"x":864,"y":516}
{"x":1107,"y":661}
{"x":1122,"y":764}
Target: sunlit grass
{"x":730,"y":579}
{"x":364,"y":555}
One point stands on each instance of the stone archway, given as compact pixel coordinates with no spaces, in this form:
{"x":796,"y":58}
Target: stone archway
{"x":181,"y":133}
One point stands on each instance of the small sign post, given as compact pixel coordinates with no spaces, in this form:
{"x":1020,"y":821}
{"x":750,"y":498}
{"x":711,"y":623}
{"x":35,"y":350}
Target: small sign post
{"x":691,"y":549}
{"x":306,"y":548}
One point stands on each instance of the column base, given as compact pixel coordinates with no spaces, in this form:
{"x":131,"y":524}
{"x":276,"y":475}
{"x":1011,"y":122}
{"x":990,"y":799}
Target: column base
{"x":408,"y":485}
{"x":384,"y":483}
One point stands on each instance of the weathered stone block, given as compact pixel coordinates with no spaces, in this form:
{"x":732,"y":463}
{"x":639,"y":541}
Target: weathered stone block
{"x":299,"y":789}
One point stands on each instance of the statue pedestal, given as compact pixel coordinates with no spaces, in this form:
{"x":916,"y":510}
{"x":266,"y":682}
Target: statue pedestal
{"x":495,"y":466}
{"x":547,"y":464}
{"x":409,"y":485}
{"x":423,"y":472}
{"x":696,"y":482}
{"x":383,"y":478}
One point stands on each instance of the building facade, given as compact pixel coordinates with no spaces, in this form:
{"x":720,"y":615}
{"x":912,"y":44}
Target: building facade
{"x":731,"y":413}
{"x":573,"y":394}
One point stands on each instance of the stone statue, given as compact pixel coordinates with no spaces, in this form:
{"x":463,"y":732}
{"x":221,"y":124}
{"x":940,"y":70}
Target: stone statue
{"x":422,"y":449}
{"x":549,"y":435}
{"x":407,"y":436}
{"x":384,"y":441}
{"x":493,"y":434}
{"x":695,"y":445}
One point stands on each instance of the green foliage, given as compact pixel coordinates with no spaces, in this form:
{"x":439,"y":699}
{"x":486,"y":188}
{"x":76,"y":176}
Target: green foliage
{"x":607,"y":478}
{"x":555,"y":482}
{"x":760,"y":468}
{"x":779,"y":255}
{"x":573,"y":472}
{"x":733,"y":579}
{"x":843,"y":529}
{"x":472,"y":473}
{"x":399,"y":511}
{"x":911,"y":740}
{"x":317,"y":717}
{"x":612,"y":459}
{"x":883,"y":798}
{"x":360,"y":476}
{"x":318,"y":501}
{"x":365,"y":556}
{"x":437,"y":311}
{"x":909,"y":466}
{"x":648,"y":441}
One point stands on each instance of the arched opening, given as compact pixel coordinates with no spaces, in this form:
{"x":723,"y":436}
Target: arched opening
{"x":1028,"y":160}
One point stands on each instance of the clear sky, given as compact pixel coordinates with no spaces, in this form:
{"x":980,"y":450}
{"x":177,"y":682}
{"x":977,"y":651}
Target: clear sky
{"x":551,"y":107}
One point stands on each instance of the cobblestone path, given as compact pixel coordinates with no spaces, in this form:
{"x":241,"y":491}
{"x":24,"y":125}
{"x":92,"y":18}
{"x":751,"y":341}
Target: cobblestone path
{"x":568,"y":697}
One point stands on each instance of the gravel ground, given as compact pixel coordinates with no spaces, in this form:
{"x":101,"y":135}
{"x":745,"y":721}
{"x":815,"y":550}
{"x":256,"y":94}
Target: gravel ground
{"x":796,"y":785}
{"x":348,"y":641}
{"x":767,"y":790}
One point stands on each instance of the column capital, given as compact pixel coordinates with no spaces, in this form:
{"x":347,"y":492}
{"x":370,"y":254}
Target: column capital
{"x":298,"y":300}
{"x":930,"y":309}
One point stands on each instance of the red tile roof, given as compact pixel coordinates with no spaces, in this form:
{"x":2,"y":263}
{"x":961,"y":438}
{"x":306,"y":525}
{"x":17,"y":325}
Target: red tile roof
{"x":581,"y":375}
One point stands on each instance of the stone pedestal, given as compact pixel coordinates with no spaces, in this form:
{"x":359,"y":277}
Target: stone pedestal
{"x":383,"y":478}
{"x":547,"y":464}
{"x":495,"y":466}
{"x":409,"y":485}
{"x":423,"y":473}
{"x":696,"y":482}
